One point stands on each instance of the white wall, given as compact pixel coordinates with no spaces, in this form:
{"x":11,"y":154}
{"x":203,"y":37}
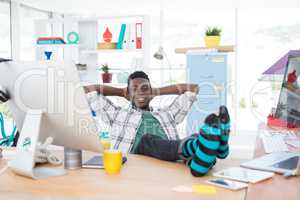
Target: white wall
{"x":247,"y":70}
{"x":112,"y":7}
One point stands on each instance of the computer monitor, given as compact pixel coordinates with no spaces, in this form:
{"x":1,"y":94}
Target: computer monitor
{"x":47,"y":99}
{"x":288,"y":107}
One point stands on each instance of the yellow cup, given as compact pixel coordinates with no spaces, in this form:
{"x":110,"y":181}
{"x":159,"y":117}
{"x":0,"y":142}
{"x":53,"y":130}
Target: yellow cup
{"x":112,"y":161}
{"x":105,"y":144}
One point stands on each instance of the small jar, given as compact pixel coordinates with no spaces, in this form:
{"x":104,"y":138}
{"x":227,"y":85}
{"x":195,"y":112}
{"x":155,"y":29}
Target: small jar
{"x":72,"y":158}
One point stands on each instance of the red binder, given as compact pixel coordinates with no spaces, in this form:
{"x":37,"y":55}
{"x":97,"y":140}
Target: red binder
{"x":138,"y":29}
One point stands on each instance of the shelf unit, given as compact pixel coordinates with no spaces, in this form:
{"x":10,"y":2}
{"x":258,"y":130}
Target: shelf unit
{"x":90,"y":32}
{"x":225,"y":49}
{"x":57,"y":45}
{"x":111,"y":51}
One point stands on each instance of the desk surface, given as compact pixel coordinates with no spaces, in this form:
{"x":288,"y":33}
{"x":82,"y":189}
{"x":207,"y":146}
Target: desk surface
{"x":141,"y":178}
{"x":276,"y":188}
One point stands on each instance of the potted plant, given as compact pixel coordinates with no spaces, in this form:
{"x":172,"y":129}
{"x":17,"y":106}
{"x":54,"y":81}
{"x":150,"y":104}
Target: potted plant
{"x":106,"y":76}
{"x":212,"y":36}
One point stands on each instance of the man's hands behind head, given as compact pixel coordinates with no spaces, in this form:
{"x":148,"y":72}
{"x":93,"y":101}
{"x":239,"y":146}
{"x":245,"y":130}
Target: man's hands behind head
{"x":125,"y":93}
{"x":4,"y":96}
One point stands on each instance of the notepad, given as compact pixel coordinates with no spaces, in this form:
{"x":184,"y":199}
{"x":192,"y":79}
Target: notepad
{"x":204,"y":189}
{"x":197,"y":188}
{"x":244,"y":175}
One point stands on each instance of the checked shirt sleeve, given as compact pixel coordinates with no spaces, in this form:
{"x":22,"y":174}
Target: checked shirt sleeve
{"x":103,"y":107}
{"x":181,"y":106}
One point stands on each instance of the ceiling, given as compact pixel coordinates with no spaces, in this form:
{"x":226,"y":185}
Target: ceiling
{"x":123,"y":7}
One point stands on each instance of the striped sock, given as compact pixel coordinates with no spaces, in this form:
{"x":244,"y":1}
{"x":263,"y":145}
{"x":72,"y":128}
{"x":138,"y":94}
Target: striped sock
{"x":206,"y":147}
{"x":223,"y":150}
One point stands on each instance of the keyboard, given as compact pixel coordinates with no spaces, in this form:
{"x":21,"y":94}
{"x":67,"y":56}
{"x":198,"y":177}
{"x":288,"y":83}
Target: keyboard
{"x":274,"y":143}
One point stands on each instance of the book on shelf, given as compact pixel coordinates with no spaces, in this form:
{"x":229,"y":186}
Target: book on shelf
{"x":121,"y":37}
{"x":50,"y":40}
{"x":138,"y":33}
{"x":126,"y":37}
{"x":46,"y":42}
{"x":130,"y":36}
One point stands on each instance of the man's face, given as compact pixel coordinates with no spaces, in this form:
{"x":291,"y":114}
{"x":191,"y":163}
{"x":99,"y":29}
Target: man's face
{"x":140,"y":92}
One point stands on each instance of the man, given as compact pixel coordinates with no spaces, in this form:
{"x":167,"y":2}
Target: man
{"x":141,"y":130}
{"x":128,"y":125}
{"x":151,"y":134}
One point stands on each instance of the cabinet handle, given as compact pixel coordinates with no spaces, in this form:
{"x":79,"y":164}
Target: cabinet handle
{"x":206,"y":102}
{"x":206,"y":77}
{"x":219,"y":87}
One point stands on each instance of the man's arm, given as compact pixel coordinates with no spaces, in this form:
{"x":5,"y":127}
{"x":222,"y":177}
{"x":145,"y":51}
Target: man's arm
{"x":106,"y":90}
{"x":176,"y":89}
{"x":182,"y":104}
{"x":103,"y":106}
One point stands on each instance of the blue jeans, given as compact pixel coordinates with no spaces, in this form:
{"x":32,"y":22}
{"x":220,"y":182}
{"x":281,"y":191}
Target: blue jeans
{"x":155,"y":146}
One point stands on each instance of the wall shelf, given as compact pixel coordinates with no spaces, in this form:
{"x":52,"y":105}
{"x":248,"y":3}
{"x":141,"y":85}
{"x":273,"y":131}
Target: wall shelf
{"x":271,"y":78}
{"x":228,"y":48}
{"x":90,"y":35}
{"x":88,"y":30}
{"x":57,"y":45}
{"x":111,"y":51}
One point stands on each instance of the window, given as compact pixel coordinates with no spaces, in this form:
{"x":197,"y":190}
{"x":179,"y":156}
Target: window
{"x":185,"y":30}
{"x":28,"y":35}
{"x":5,"y":34}
{"x":263,"y":39}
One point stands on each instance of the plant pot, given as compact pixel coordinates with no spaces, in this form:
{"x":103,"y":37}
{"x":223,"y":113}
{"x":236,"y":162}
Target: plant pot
{"x":212,"y":41}
{"x":106,"y":77}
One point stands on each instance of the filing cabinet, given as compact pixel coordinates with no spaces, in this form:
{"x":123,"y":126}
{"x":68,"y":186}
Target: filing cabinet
{"x":209,"y":71}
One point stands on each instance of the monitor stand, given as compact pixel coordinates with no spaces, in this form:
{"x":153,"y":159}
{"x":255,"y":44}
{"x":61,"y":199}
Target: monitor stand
{"x":24,"y":164}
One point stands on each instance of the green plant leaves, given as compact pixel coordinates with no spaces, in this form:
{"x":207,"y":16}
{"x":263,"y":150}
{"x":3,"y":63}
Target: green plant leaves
{"x":213,"y":31}
{"x":105,"y":68}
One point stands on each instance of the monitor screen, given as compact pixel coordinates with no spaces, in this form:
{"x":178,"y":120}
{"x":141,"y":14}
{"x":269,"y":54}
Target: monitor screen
{"x":288,"y":107}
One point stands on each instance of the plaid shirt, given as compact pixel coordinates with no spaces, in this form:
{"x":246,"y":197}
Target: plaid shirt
{"x":124,"y":123}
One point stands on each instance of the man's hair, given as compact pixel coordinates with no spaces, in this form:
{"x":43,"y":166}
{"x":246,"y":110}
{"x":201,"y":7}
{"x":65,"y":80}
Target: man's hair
{"x":137,"y":74}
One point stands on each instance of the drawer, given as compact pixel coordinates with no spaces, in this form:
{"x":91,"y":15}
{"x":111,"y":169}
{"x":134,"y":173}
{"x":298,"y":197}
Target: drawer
{"x":200,"y":110}
{"x":202,"y":76}
{"x":206,"y":105}
{"x":209,"y":71}
{"x":211,"y":90}
{"x":206,"y":77}
{"x":194,"y":123}
{"x":207,"y":68}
